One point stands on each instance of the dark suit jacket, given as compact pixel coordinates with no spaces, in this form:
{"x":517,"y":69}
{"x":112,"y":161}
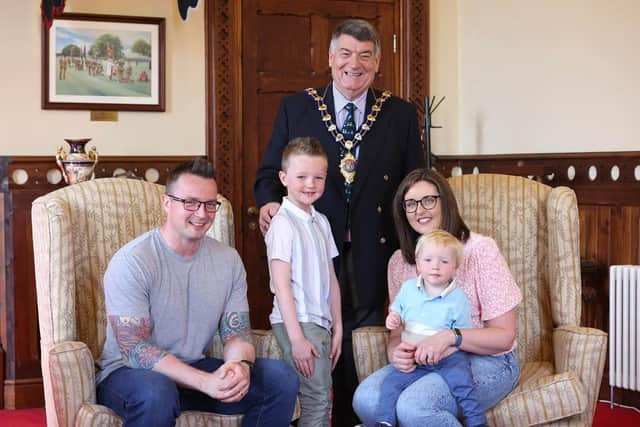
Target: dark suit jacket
{"x":390,"y":150}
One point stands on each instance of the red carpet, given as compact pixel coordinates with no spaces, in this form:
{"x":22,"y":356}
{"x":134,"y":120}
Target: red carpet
{"x":616,"y":417}
{"x":23,"y":418}
{"x":605,"y":417}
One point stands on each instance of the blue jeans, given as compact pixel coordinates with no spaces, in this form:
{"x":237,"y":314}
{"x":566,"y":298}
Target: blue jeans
{"x":429,"y":402}
{"x":146,"y":398}
{"x":455,"y":370}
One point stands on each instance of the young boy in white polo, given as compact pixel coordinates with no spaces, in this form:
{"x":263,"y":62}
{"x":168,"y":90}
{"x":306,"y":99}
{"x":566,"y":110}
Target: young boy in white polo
{"x":306,"y":316}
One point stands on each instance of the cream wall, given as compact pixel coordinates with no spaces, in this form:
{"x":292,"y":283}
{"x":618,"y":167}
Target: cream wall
{"x":519,"y":76}
{"x":535,"y":76}
{"x":29,"y":130}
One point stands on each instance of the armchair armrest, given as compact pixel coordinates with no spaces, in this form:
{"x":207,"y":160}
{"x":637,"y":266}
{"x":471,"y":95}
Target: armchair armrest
{"x":71,"y":374}
{"x":582,"y":351}
{"x":91,"y":414}
{"x":263,"y":340}
{"x":370,"y":349}
{"x":266,"y":344}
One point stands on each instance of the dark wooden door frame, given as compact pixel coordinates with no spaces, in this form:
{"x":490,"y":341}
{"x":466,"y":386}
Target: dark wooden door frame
{"x":223,"y":44}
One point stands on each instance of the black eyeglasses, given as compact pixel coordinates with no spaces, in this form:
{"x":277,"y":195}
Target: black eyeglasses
{"x":427,"y":202}
{"x":193,"y":205}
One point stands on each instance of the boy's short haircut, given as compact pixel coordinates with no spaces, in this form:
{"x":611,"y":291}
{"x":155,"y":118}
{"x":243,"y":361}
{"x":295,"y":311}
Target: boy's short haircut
{"x":302,"y":145}
{"x":444,"y":239}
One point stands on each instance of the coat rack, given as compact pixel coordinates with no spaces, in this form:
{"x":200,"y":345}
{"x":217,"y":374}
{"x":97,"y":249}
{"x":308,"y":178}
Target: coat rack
{"x":430,"y":106}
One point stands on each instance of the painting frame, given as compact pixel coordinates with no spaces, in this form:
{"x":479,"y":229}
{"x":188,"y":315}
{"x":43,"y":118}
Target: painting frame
{"x":99,"y":80}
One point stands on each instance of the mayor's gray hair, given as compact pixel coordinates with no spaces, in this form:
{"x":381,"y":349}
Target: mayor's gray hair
{"x":360,"y":30}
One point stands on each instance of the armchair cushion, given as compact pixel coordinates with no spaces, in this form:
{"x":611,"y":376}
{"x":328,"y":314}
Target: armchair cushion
{"x":205,"y":419}
{"x":98,"y":415}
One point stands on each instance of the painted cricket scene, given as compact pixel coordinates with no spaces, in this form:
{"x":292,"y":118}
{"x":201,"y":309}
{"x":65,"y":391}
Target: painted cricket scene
{"x":95,"y":62}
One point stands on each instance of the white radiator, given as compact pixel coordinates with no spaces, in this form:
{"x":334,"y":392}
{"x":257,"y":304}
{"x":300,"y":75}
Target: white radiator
{"x":624,"y":327}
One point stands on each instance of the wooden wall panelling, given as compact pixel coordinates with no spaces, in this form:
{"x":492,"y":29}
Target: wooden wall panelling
{"x":23,"y":353}
{"x":223,"y":100}
{"x":607,"y":186}
{"x":4,"y":245}
{"x":22,"y":381}
{"x":415,"y":65}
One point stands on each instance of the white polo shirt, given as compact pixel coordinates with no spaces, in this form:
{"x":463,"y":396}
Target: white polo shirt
{"x":305,"y":242}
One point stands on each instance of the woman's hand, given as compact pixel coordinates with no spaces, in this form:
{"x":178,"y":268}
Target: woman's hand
{"x":403,"y":357}
{"x":433,"y":349}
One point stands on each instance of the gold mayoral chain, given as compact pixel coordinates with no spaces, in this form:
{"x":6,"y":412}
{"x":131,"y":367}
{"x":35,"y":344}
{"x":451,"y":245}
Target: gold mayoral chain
{"x":348,"y":160}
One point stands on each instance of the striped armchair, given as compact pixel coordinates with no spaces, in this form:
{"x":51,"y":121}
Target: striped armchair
{"x":536,"y":227}
{"x":76,"y":230}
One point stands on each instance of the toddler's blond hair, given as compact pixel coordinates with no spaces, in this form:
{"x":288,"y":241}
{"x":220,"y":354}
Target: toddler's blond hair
{"x":443,"y":239}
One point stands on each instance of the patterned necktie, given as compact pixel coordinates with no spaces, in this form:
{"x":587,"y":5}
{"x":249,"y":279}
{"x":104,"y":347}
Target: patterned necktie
{"x":349,"y":125}
{"x":348,"y":131}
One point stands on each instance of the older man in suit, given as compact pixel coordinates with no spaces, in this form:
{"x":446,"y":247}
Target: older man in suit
{"x":372,"y":141}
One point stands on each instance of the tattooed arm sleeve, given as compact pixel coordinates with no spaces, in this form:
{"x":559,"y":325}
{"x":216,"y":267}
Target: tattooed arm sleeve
{"x":133,"y":335}
{"x":235,"y":330}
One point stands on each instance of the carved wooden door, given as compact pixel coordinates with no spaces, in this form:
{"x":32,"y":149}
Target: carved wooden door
{"x":284,"y":50}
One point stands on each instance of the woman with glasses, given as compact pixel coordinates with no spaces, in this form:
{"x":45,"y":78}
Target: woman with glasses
{"x":424,"y":202}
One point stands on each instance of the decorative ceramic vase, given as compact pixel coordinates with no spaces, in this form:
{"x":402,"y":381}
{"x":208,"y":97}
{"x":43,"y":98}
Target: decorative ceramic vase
{"x":77,"y":165}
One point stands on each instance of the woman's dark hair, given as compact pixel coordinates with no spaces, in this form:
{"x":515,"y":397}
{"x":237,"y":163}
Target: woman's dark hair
{"x":451,"y":219}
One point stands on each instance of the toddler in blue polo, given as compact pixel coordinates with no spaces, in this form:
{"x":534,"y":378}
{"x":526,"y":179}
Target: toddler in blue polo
{"x":425,"y":306}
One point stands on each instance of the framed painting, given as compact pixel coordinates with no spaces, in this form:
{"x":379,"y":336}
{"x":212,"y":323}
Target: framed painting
{"x":104,"y":62}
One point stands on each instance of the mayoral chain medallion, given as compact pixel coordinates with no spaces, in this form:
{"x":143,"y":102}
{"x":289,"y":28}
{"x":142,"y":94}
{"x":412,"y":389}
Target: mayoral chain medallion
{"x":348,"y":160}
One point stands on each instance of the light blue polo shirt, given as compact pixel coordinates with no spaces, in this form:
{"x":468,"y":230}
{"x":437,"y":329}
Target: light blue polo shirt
{"x":451,"y":309}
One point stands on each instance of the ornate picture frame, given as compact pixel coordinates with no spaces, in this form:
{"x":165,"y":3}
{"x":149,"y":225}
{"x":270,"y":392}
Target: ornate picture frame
{"x":104,"y":62}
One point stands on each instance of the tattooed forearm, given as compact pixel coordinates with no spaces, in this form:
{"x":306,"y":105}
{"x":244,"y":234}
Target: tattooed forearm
{"x":133,"y":335}
{"x":235,"y":324}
